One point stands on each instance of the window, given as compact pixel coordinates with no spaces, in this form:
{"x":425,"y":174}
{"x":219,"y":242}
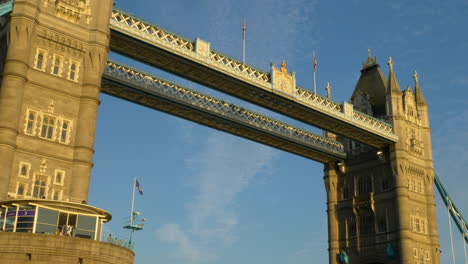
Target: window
{"x":352,"y":227}
{"x":21,"y":189}
{"x":64,"y":131}
{"x":57,"y":195}
{"x":57,"y":65}
{"x":418,"y":224}
{"x":41,"y":59}
{"x":428,"y":256}
{"x":73,"y":70}
{"x":59,"y":176}
{"x":411,"y":185}
{"x":67,"y":223}
{"x":31,"y":117}
{"x":366,"y":224}
{"x":345,"y":192}
{"x":416,"y":185}
{"x":24,"y":169}
{"x":364,"y":185}
{"x":25,"y":220}
{"x":40,"y":184}
{"x":48,"y":126}
{"x":419,"y":188}
{"x":385,"y":184}
{"x":382,"y":223}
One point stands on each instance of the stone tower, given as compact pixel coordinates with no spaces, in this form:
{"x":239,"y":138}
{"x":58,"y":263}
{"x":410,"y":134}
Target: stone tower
{"x":52,"y":54}
{"x":381,"y":206}
{"x":52,"y":66}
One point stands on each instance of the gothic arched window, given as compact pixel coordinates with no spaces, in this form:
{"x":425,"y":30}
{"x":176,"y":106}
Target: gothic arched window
{"x":48,"y":126}
{"x":39,"y":189}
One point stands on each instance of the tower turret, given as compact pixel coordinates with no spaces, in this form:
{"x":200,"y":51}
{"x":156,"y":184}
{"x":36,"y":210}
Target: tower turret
{"x":421,"y":104}
{"x":420,"y":100}
{"x":393,"y":93}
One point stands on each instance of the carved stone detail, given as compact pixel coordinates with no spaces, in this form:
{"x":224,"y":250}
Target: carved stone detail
{"x":71,"y":10}
{"x":283,"y":80}
{"x":61,"y":42}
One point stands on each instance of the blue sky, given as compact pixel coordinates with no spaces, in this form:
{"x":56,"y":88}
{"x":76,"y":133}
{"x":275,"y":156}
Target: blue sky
{"x":210,"y":197}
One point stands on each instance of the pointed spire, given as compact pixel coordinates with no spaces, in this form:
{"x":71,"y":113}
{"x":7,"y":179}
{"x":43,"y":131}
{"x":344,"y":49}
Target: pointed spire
{"x":408,"y":89}
{"x":393,"y":86}
{"x":420,"y":100}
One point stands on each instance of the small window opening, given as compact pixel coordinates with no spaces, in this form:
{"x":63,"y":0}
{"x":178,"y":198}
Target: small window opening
{"x":31,"y":123}
{"x":73,"y":71}
{"x":57,"y":64}
{"x":64,"y":131}
{"x":24,"y":170}
{"x":20,"y":189}
{"x":40,"y":60}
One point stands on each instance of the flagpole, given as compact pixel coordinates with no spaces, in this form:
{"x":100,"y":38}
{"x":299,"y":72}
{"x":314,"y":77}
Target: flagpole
{"x":244,"y":29}
{"x":133,"y":201}
{"x":315,"y":81}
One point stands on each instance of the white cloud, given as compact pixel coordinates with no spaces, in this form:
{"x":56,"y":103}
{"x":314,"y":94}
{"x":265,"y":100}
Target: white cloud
{"x":186,"y":250}
{"x":225,"y":167}
{"x":221,"y":171}
{"x":292,"y":24}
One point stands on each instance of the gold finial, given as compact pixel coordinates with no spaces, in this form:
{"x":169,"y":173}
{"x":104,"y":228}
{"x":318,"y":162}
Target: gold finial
{"x":416,"y":77}
{"x":328,"y":88}
{"x":390,"y":63}
{"x":283,"y":66}
{"x":369,"y":52}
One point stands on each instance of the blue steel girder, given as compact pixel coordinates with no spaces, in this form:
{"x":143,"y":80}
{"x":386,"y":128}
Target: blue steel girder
{"x":457,"y":217}
{"x":133,"y":85}
{"x":194,"y":60}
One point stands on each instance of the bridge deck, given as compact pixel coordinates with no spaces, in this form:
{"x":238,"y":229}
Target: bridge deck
{"x":148,"y":43}
{"x":136,"y":86}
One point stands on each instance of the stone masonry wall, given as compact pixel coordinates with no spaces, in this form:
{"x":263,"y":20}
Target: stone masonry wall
{"x":18,"y":248}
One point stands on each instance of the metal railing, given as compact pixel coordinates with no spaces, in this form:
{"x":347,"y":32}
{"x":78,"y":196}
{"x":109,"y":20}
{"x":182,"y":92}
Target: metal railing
{"x":128,"y":75}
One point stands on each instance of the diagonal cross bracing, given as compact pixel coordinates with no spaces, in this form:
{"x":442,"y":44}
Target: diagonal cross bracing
{"x":151,"y":44}
{"x":136,"y":86}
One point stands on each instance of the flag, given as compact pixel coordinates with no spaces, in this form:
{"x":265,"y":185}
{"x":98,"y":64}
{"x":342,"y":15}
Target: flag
{"x":315,"y":63}
{"x":244,"y":28}
{"x":137,"y":184}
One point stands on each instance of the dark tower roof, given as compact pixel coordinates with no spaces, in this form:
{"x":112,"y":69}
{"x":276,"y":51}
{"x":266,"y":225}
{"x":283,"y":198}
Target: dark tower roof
{"x":372,"y":82}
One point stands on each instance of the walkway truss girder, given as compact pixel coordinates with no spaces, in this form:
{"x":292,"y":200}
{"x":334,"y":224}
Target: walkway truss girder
{"x":141,"y":40}
{"x":133,"y":85}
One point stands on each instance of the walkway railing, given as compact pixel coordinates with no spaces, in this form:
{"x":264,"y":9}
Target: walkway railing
{"x":126,"y":74}
{"x":200,"y":52}
{"x":111,"y":238}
